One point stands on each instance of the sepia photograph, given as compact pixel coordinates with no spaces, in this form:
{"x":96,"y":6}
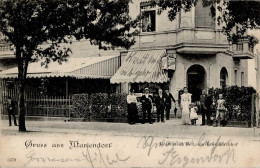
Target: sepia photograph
{"x":130,"y":83}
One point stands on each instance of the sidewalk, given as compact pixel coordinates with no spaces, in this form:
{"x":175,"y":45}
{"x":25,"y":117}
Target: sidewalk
{"x":171,"y":128}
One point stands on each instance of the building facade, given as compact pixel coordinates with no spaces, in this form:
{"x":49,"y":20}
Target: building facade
{"x":198,"y":55}
{"x":7,"y":58}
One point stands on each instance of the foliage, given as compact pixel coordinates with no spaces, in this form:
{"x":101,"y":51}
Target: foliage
{"x":99,"y":106}
{"x":43,"y":86}
{"x":37,"y":27}
{"x":118,"y":105}
{"x":80,"y":106}
{"x":235,"y":16}
{"x":237,"y":101}
{"x":174,"y":7}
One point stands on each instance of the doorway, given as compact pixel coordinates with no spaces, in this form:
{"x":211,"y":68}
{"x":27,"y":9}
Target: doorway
{"x":196,"y":80}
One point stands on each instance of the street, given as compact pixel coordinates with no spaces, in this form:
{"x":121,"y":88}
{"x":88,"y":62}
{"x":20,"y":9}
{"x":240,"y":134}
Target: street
{"x":103,"y":144}
{"x":171,"y":128}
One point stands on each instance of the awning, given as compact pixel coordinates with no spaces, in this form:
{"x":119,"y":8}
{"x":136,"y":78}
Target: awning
{"x":141,"y":66}
{"x":103,"y":67}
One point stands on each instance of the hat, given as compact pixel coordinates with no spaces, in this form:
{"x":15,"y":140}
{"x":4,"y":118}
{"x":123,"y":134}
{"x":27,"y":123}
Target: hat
{"x":146,"y":89}
{"x":132,"y":90}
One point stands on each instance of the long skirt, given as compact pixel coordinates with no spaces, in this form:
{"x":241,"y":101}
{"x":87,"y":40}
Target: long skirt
{"x":132,"y":113}
{"x":185,"y":116}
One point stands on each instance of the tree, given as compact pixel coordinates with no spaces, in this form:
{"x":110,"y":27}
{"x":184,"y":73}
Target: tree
{"x":28,"y":24}
{"x":235,"y":16}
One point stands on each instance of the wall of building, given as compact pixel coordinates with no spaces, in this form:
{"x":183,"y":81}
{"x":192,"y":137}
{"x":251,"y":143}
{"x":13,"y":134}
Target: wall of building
{"x":212,"y":65}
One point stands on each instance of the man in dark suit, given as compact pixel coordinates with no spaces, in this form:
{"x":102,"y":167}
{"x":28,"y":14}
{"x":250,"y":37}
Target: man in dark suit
{"x":147,"y":102}
{"x":159,"y":101}
{"x":10,"y":110}
{"x":205,"y":103}
{"x":168,"y":104}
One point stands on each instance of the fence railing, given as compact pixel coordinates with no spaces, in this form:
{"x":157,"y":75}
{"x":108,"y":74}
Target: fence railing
{"x":52,"y":106}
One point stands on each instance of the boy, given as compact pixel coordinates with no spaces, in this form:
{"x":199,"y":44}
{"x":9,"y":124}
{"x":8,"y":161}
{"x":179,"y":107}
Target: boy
{"x":221,"y":110}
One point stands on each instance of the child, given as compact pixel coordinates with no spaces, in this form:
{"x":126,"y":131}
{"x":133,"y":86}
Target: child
{"x":193,"y":114}
{"x":221,"y":109}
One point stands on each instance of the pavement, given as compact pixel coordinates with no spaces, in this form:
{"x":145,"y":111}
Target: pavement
{"x":170,"y":128}
{"x":56,"y":143}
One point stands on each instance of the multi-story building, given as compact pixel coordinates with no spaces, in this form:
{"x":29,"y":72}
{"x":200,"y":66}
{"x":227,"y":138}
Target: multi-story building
{"x":188,"y":51}
{"x":7,"y":58}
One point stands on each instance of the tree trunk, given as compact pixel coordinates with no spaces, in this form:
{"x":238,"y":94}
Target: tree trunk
{"x":22,"y":71}
{"x":21,"y":106}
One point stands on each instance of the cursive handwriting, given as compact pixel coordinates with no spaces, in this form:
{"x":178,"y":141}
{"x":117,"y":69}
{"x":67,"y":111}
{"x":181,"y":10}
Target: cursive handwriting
{"x":174,"y":158}
{"x":148,"y":143}
{"x":94,"y":157}
{"x":32,"y":157}
{"x":99,"y":157}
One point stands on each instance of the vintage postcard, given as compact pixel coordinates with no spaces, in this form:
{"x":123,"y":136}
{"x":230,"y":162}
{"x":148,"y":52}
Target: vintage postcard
{"x":140,"y":83}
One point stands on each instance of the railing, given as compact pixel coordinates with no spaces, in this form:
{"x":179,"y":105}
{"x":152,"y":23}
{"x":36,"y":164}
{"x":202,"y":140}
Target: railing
{"x":52,"y":106}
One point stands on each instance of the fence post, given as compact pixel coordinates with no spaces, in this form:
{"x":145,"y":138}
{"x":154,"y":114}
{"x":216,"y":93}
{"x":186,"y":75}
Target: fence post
{"x":257,"y":109}
{"x":69,"y":105}
{"x":252,"y":109}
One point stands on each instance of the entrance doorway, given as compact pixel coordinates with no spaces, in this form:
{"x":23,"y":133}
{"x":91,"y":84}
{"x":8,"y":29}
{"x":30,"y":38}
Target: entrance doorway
{"x":196,"y":78}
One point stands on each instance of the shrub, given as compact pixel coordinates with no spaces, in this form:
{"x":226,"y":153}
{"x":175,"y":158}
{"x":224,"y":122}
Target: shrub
{"x":238,"y":101}
{"x":80,"y":106}
{"x":118,"y":105}
{"x":99,"y":105}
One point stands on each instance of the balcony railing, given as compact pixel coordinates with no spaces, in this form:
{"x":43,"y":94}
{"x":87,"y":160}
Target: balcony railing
{"x":243,"y":50}
{"x":6,"y":51}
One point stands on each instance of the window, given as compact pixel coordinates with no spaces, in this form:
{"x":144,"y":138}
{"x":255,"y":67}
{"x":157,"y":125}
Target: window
{"x":4,"y":47}
{"x":242,"y":79}
{"x":240,"y":47}
{"x":223,"y":78}
{"x":148,"y":11}
{"x":203,"y":18}
{"x":148,"y":21}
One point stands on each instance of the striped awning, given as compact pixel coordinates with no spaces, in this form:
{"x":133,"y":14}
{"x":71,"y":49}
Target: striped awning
{"x":103,"y":67}
{"x":140,"y":67}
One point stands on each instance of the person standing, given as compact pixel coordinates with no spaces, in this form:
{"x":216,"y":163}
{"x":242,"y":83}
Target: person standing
{"x":168,"y":103}
{"x":10,"y":110}
{"x":185,"y":106}
{"x":159,"y":101}
{"x":132,"y":108}
{"x":205,"y":103}
{"x":221,"y":110}
{"x":147,"y":102}
{"x":193,"y":114}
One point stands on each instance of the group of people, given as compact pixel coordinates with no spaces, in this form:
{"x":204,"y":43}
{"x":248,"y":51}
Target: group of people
{"x":162,"y":102}
{"x":206,"y":106}
{"x":163,"y":105}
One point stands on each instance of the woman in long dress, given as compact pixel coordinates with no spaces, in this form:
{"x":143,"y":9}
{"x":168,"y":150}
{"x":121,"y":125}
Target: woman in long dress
{"x":185,"y":106}
{"x":132,"y":108}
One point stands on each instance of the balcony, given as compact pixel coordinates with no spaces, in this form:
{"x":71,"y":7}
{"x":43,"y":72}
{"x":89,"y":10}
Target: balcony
{"x":6,"y":51}
{"x":186,"y":40}
{"x":242,"y":50}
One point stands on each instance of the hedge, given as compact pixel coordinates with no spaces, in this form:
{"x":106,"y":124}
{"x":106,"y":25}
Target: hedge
{"x":99,"y":106}
{"x":238,"y":101}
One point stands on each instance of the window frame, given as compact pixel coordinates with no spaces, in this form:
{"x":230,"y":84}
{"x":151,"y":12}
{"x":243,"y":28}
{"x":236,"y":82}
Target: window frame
{"x":202,"y":26}
{"x":148,"y":8}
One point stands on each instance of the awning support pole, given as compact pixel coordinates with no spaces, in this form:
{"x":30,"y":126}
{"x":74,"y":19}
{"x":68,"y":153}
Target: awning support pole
{"x":67,"y":87}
